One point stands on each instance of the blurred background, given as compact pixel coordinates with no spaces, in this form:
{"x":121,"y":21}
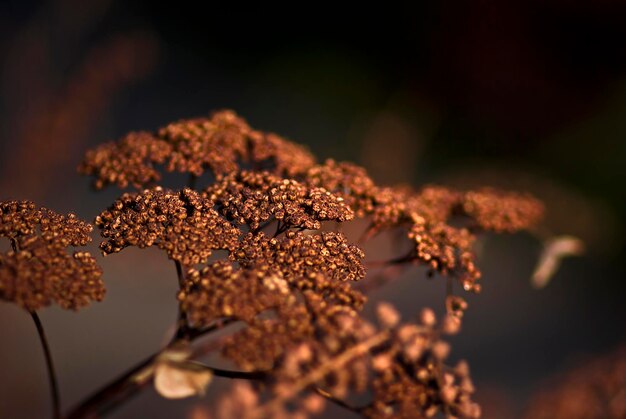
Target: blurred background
{"x":528,"y":95}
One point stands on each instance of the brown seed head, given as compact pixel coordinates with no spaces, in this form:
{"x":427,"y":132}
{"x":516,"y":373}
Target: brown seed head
{"x":183,"y":223}
{"x":40,"y":270}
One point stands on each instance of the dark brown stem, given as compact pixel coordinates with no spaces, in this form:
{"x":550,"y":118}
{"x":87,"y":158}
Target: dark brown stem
{"x":395,"y":261}
{"x":240,"y":375}
{"x":388,"y":275}
{"x":182,"y":328}
{"x":193,"y":180}
{"x":114,"y":393}
{"x":127,"y":385}
{"x":279,"y":229}
{"x":339,"y":402}
{"x":52,"y":378}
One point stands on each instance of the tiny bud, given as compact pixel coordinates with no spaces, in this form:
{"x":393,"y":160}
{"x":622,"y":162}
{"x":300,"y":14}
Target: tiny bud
{"x":467,"y":386}
{"x":427,"y":317}
{"x":314,"y":404}
{"x":441,"y":350}
{"x":448,"y":394}
{"x":381,"y":362}
{"x":388,"y":316}
{"x":462,"y":369}
{"x":431,"y":411}
{"x":451,"y":325}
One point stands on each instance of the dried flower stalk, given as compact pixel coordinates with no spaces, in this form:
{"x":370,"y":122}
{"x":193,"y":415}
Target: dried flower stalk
{"x":286,"y":280}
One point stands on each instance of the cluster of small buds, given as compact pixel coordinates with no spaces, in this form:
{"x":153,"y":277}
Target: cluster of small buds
{"x":39,"y":270}
{"x":280,"y":156}
{"x":310,"y":357}
{"x":218,"y":143}
{"x":253,"y":198}
{"x":264,"y":340}
{"x":446,"y":249}
{"x":184,"y":224}
{"x":410,"y":377}
{"x":347,"y":180}
{"x":434,"y":203}
{"x":219,"y":291}
{"x":401,"y":363}
{"x":292,"y":292}
{"x":502,"y":211}
{"x":300,"y":255}
{"x":243,"y":402}
{"x":455,"y":308}
{"x":130,"y":161}
{"x":223,"y":144}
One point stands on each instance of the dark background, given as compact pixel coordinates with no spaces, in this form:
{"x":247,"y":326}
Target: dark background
{"x":522,"y":94}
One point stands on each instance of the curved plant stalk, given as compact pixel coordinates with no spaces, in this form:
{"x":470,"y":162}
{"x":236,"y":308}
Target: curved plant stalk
{"x":54,"y":387}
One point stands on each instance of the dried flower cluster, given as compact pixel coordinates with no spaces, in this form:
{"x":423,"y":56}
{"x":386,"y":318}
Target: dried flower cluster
{"x":252,"y":198}
{"x":221,"y":144}
{"x":426,"y":216}
{"x":402,"y":364}
{"x":39,"y":270}
{"x":287,"y":280}
{"x":184,"y":224}
{"x":594,"y":390}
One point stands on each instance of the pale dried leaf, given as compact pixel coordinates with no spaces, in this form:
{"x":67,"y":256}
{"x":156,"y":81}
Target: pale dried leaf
{"x":553,"y":253}
{"x":180,"y":380}
{"x":175,"y":377}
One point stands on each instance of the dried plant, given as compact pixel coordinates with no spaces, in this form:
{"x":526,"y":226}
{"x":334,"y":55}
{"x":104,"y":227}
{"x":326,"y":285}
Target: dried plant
{"x":291,"y":280}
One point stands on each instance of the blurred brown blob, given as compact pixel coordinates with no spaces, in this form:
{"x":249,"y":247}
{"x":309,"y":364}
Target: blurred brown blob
{"x":391,"y":148}
{"x":567,"y":210}
{"x":55,"y":99}
{"x":495,"y":402}
{"x":595,"y":389}
{"x":60,"y":126}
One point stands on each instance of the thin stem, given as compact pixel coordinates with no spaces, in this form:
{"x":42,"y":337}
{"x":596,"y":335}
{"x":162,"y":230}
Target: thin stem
{"x":323,"y":370}
{"x":448,"y":287}
{"x":193,"y":180}
{"x":279,"y":228}
{"x":242,"y":375}
{"x":54,"y":387}
{"x":388,"y":275}
{"x":395,"y":261}
{"x":114,"y":393}
{"x":337,"y":401}
{"x":182,"y":329}
{"x":132,"y":381}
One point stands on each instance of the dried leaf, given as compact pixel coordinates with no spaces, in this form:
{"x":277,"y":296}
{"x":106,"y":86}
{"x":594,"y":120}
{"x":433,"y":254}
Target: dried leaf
{"x":175,"y":377}
{"x":555,"y":249}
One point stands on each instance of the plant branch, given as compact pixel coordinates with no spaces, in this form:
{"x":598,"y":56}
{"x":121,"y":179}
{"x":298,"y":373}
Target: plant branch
{"x":182,"y":328}
{"x":321,"y":371}
{"x":337,"y":401}
{"x":242,"y":375}
{"x":133,"y":380}
{"x":54,"y":387}
{"x":388,"y":275}
{"x":115,"y":392}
